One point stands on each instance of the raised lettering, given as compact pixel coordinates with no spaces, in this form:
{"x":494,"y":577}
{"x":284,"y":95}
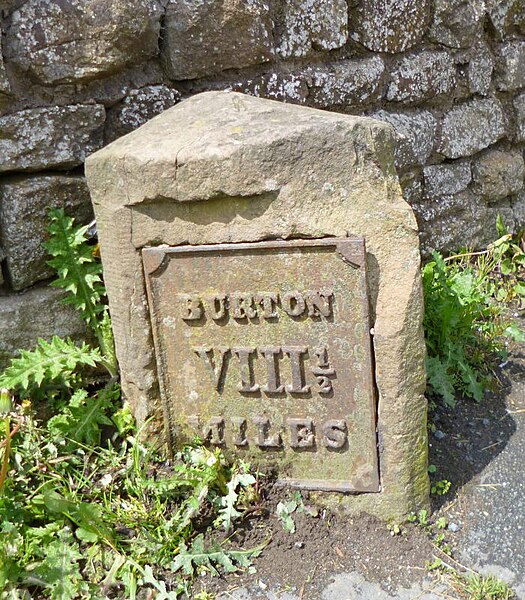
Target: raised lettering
{"x":191,"y":308}
{"x":273,"y":385}
{"x":216,"y":367}
{"x":212,"y":432}
{"x":296,"y":358}
{"x":246,"y":368}
{"x":239,"y":439}
{"x":335,"y":433}
{"x":301,"y":433}
{"x":293,"y":303}
{"x":264,"y":440}
{"x":268,"y":301}
{"x":218,"y":307}
{"x":242,"y":306}
{"x":319,"y":303}
{"x":323,"y":371}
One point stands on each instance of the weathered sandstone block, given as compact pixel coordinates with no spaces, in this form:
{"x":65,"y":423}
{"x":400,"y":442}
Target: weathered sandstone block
{"x":519,"y":106}
{"x":309,"y":24}
{"x":36,"y":313}
{"x":457,"y":23}
{"x":222,"y":168}
{"x":518,"y":210}
{"x":498,"y":174}
{"x":2,"y":257}
{"x":411,"y":185}
{"x":204,"y":38}
{"x":507,"y":16}
{"x":5,"y":87}
{"x":471,"y":127}
{"x":480,"y":69}
{"x":422,"y":76}
{"x":390,"y":25}
{"x":47,"y":138}
{"x":25,"y":202}
{"x":346,"y":83}
{"x":451,"y":222}
{"x":448,"y":179}
{"x":60,"y":41}
{"x":138,"y":107}
{"x":416,"y":133}
{"x":510,"y":72}
{"x":287,"y":87}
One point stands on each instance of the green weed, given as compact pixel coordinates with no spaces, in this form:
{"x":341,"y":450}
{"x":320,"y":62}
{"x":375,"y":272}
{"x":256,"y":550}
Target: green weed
{"x":87,"y":510}
{"x":287,"y":508}
{"x":465,"y":326}
{"x":480,"y":587}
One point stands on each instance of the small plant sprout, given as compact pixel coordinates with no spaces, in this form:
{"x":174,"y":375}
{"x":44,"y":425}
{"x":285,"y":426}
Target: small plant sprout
{"x":440,"y":488}
{"x":6,"y":402}
{"x":6,"y":406}
{"x":394,"y":528}
{"x":479,"y":587}
{"x":284,"y":513}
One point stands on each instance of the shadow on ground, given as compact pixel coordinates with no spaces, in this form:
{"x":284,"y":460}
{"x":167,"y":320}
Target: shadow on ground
{"x":465,"y":439}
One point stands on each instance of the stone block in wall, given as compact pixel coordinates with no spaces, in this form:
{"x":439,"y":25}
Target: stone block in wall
{"x":422,"y":76}
{"x":519,"y":106}
{"x":416,"y":132}
{"x":389,"y":25}
{"x":346,"y":83}
{"x":479,"y":70}
{"x":411,"y":185}
{"x":7,"y":6}
{"x":503,"y":208}
{"x":24,"y":205}
{"x":47,"y":138}
{"x":205,"y":38}
{"x":285,"y":87}
{"x":60,"y":41}
{"x":498,"y":174}
{"x":471,"y":127}
{"x":507,"y":16}
{"x":35,"y":313}
{"x":137,"y":107}
{"x":447,"y":179}
{"x":2,"y":257}
{"x":510,"y":71}
{"x":450,"y":222}
{"x":310,"y":24}
{"x":518,"y":209}
{"x":5,"y":87}
{"x":457,"y":23}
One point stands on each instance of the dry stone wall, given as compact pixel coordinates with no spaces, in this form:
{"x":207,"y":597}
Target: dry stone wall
{"x":448,"y":75}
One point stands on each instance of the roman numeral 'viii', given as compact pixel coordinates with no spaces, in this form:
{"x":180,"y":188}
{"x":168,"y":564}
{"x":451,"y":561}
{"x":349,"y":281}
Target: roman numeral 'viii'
{"x":216,"y":362}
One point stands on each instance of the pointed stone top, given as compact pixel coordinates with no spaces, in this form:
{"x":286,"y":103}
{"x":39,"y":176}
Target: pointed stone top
{"x":214,"y":127}
{"x":222,"y":119}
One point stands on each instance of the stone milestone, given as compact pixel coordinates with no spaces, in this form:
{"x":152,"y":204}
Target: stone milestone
{"x":262,"y":269}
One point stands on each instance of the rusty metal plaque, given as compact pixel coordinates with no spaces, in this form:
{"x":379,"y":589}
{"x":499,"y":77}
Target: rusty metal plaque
{"x":264,"y":349}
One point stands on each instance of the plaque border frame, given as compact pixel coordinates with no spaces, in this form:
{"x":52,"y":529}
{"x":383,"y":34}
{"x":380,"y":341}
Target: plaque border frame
{"x":352,"y":250}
